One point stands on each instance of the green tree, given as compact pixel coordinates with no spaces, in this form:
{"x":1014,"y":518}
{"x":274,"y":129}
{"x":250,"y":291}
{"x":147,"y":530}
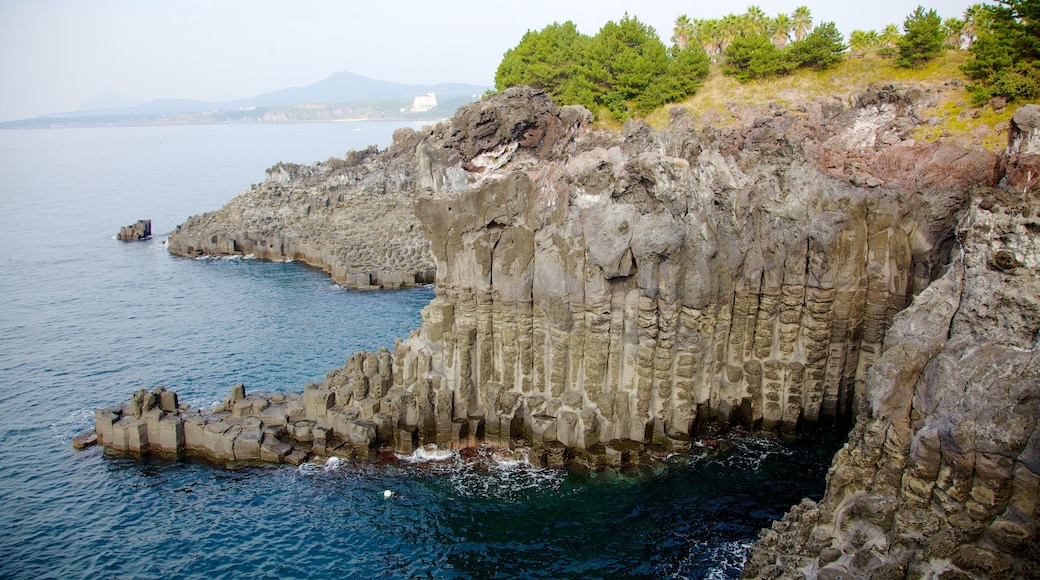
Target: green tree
{"x":684,"y":31}
{"x":863,"y":40}
{"x":687,"y":69}
{"x":780,"y":31}
{"x":624,"y":61}
{"x":1006,"y":52}
{"x":971,"y":15}
{"x":755,"y":22}
{"x":709,"y":36}
{"x":953,"y":33}
{"x":753,"y":57}
{"x":549,"y":59}
{"x":888,"y":41}
{"x":822,"y":48}
{"x":923,"y":38}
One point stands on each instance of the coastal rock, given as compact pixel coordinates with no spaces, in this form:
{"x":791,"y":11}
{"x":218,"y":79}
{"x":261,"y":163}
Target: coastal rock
{"x":140,"y":230}
{"x":940,"y":475}
{"x":350,"y":217}
{"x":595,"y":286}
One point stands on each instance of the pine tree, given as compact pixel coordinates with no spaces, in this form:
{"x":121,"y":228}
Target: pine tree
{"x":923,"y":38}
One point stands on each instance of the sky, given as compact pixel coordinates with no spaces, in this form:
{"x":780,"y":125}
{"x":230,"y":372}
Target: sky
{"x":56,"y":54}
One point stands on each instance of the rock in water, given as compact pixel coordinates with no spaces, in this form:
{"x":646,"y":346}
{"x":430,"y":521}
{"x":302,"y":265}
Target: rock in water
{"x":84,"y":440}
{"x":140,"y":230}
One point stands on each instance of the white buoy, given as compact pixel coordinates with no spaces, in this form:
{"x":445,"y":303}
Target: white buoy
{"x":387,"y":494}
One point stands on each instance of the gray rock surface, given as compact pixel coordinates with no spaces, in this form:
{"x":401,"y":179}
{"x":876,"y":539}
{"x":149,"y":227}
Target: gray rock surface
{"x":139,"y":230}
{"x":941,"y":474}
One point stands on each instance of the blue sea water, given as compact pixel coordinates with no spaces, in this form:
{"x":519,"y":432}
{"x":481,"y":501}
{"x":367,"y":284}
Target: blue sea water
{"x":86,"y":320}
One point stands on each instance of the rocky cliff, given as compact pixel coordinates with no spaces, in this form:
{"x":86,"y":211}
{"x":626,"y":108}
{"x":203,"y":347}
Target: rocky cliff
{"x":941,"y":474}
{"x":596,"y":289}
{"x":595,"y":286}
{"x":351,"y":217}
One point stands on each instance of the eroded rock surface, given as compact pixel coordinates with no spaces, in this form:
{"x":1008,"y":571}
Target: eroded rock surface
{"x":941,"y":474}
{"x":351,"y":217}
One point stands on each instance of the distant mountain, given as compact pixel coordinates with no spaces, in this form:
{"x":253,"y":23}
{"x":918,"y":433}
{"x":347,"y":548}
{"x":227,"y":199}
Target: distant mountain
{"x":345,"y":87}
{"x":342,"y":87}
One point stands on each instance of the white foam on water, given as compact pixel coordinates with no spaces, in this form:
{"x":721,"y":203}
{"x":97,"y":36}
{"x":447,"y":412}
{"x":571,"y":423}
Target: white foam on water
{"x":725,"y":558}
{"x":72,"y":424}
{"x":748,"y":453}
{"x":511,"y":458}
{"x":504,"y":475}
{"x":427,"y":453}
{"x":310,"y":469}
{"x":333,"y":463}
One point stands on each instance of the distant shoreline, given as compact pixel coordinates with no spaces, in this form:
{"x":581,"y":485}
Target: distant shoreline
{"x":84,"y":124}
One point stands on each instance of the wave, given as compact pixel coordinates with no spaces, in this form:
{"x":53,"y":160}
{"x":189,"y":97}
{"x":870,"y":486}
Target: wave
{"x":72,"y":424}
{"x":725,"y":560}
{"x":427,"y":453}
{"x":235,"y":258}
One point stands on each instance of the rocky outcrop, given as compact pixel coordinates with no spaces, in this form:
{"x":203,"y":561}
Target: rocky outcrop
{"x":941,"y":474}
{"x":350,"y":217}
{"x":140,"y":230}
{"x":289,"y":428}
{"x":643,"y":285}
{"x":594,"y":286}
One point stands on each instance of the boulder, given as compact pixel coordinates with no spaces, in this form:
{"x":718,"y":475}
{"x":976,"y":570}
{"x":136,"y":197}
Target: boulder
{"x":139,"y":230}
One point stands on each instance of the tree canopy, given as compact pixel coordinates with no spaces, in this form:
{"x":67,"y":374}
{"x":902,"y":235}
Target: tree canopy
{"x":923,"y":38}
{"x":759,"y":50}
{"x":1006,"y":51}
{"x":624,"y":68}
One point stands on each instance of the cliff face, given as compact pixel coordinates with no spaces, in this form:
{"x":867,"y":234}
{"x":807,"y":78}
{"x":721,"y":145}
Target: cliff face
{"x":594,"y":286}
{"x":941,"y":474}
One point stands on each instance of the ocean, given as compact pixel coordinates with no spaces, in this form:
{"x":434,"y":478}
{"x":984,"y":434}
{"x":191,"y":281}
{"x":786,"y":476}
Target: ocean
{"x":86,"y":320}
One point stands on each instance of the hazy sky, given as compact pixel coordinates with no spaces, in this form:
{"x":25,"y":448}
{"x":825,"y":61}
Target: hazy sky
{"x":54,"y":54}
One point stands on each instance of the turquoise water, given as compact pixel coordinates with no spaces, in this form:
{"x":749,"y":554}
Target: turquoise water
{"x":86,"y":320}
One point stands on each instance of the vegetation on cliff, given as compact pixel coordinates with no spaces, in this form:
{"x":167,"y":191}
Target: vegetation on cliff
{"x":625,"y":70}
{"x":1006,"y":53}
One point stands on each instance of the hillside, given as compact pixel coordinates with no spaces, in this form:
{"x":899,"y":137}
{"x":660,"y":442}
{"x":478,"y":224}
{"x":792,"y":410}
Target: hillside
{"x":943,"y":105}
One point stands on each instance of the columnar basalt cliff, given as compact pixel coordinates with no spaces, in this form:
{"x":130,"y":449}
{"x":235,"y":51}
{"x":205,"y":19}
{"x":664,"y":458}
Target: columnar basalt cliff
{"x":597,"y":290}
{"x":941,"y":474}
{"x":599,"y":286}
{"x":594,"y":286}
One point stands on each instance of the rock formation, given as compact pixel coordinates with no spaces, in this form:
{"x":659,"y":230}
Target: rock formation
{"x":603,"y":293}
{"x":941,"y":474}
{"x":140,"y":230}
{"x":351,"y":217}
{"x":594,"y":286}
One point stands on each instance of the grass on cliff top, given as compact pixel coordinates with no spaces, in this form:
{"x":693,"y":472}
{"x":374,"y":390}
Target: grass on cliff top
{"x":724,"y":102}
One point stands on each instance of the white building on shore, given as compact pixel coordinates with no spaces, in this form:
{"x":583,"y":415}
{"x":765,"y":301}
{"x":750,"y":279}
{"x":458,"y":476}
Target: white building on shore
{"x":423,"y":103}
